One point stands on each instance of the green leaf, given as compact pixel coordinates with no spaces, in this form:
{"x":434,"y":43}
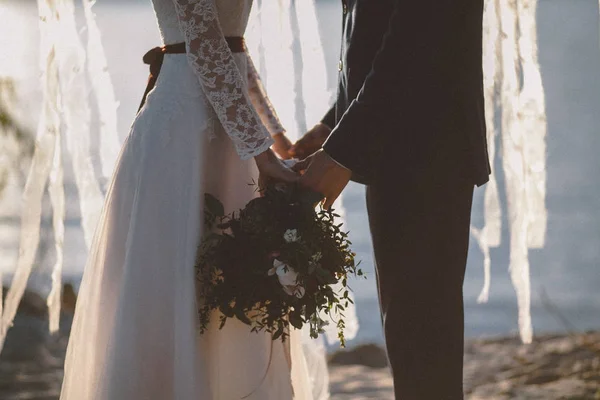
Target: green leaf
{"x":278,"y":333}
{"x":213,"y":205}
{"x":325,"y":276}
{"x":227,"y":311}
{"x":296,"y":320}
{"x":241,"y":315}
{"x":212,"y":238}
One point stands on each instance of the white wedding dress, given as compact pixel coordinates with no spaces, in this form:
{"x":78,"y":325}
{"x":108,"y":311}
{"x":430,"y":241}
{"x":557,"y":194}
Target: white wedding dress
{"x":134,"y":336}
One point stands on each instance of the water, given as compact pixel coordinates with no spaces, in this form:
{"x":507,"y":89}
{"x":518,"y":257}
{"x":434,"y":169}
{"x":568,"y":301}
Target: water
{"x":565,"y":274}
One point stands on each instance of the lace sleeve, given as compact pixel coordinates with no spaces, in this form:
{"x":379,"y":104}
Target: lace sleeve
{"x":260,"y":100}
{"x":213,"y":63}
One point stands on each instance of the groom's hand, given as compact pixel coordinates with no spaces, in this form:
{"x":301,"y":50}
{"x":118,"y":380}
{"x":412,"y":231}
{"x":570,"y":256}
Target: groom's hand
{"x":323,"y":175}
{"x":310,"y":142}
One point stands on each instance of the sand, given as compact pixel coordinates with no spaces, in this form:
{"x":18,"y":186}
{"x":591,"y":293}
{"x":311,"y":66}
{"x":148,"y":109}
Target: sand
{"x":553,"y":367}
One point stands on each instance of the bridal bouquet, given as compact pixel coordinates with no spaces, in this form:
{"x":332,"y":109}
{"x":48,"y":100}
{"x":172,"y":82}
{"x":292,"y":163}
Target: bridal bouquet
{"x":274,"y":262}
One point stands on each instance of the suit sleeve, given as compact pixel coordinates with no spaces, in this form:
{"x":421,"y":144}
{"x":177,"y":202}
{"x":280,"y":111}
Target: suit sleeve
{"x":408,"y":65}
{"x":329,"y":118}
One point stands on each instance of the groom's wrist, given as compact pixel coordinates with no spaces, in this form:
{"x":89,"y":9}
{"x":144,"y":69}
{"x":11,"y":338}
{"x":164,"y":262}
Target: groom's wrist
{"x":324,"y":124}
{"x":329,"y":119}
{"x":354,"y":140}
{"x":336,"y":161}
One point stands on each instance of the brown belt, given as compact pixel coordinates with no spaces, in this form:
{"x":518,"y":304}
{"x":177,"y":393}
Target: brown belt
{"x":154,"y":58}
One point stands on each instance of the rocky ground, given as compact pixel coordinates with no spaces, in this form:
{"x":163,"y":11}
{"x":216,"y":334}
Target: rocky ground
{"x":553,"y":367}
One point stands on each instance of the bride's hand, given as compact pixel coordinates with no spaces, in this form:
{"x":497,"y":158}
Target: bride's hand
{"x":310,"y":142}
{"x":282,"y":146}
{"x":271,"y":168}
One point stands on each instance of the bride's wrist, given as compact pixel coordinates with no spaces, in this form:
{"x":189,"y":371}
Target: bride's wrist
{"x":263,"y":157}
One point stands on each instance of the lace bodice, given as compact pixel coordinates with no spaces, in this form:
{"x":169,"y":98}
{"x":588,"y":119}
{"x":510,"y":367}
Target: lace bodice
{"x":233,"y":17}
{"x":203,"y":25}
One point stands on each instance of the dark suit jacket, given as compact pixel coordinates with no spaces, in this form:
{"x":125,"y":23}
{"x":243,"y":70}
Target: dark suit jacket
{"x":410,"y":94}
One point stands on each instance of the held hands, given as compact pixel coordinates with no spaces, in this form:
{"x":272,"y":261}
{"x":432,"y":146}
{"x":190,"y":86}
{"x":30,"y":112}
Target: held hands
{"x":271,"y":168}
{"x":310,"y":142}
{"x":323,"y":175}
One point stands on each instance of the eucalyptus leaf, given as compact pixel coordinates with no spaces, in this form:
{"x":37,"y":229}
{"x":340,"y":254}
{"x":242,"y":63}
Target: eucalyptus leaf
{"x":310,"y":198}
{"x":278,"y":333}
{"x":214,"y":205}
{"x":241,"y":315}
{"x":296,"y":320}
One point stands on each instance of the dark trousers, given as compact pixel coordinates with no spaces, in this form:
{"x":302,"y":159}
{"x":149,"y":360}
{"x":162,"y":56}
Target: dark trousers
{"x":420,"y":231}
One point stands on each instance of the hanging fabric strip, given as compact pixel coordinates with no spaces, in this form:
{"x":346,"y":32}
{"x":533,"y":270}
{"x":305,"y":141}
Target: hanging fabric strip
{"x":532,"y":120}
{"x":41,"y":163}
{"x":513,"y":161}
{"x":490,"y":234}
{"x":57,"y":199}
{"x":65,"y":95}
{"x":104,"y":93}
{"x":314,"y":73}
{"x":269,"y":41}
{"x":513,"y":86}
{"x":77,"y":115}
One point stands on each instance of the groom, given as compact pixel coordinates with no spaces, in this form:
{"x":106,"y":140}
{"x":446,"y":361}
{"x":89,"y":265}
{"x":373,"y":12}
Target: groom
{"x":409,"y":123}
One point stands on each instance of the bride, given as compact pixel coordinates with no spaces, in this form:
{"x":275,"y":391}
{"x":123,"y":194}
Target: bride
{"x":206,"y":127}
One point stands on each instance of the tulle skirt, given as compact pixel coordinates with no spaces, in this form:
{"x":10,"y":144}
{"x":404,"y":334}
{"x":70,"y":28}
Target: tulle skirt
{"x":135,"y":335}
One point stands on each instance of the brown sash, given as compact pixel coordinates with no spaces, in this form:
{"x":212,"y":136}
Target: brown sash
{"x":154,"y":58}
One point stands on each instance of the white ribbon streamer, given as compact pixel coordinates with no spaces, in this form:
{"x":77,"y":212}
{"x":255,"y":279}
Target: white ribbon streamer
{"x":41,"y":164}
{"x":104,"y":94}
{"x":532,"y":120}
{"x":66,"y":94}
{"x":511,"y":68}
{"x":57,"y":198}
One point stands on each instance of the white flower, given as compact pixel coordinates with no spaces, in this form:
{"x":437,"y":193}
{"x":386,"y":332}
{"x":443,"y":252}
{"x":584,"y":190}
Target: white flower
{"x":296,"y":290}
{"x":316,"y":257}
{"x":291,"y":235}
{"x":287,"y":277}
{"x":314,"y":262}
